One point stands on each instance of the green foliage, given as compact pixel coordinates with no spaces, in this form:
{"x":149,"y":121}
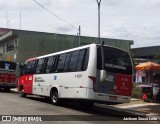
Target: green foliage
{"x":136,"y":91}
{"x":157,"y":56}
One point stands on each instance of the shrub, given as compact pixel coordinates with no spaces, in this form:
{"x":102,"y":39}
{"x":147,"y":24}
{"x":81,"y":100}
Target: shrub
{"x":136,"y":91}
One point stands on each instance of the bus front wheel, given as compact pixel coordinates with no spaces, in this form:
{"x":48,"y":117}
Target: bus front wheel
{"x":22,"y":93}
{"x":54,"y":97}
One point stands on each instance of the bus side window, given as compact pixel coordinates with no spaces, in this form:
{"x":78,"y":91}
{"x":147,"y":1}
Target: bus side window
{"x":66,"y":64}
{"x":24,"y":70}
{"x":40,"y":65}
{"x":80,"y":61}
{"x":28,"y":68}
{"x":31,"y":66}
{"x":86,"y":58}
{"x":50,"y":64}
{"x":73,"y":61}
{"x":60,"y":63}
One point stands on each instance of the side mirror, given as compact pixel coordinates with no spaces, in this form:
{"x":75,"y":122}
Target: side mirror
{"x":102,"y":75}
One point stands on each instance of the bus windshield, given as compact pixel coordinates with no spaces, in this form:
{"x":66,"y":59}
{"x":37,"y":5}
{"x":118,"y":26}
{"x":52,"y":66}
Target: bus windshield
{"x":9,"y":66}
{"x":115,"y":60}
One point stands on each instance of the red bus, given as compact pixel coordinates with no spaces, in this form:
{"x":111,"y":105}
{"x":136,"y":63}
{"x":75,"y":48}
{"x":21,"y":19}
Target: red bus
{"x":8,"y":75}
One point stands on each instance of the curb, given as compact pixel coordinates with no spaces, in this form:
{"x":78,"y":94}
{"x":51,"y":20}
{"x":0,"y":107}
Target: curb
{"x":136,"y":105}
{"x":126,"y":111}
{"x":134,"y":99}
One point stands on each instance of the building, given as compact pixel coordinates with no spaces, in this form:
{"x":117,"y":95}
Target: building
{"x":19,"y":45}
{"x":145,"y":54}
{"x":151,"y":53}
{"x":4,"y":31}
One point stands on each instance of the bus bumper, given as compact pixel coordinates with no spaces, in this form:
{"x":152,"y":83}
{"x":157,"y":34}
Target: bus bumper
{"x":109,"y":98}
{"x":10,"y":85}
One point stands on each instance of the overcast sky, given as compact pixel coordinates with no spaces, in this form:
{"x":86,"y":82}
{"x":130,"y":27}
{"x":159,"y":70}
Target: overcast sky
{"x":137,"y":20}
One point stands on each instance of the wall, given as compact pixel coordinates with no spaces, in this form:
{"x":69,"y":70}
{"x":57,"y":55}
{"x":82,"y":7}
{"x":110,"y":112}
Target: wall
{"x":33,"y":44}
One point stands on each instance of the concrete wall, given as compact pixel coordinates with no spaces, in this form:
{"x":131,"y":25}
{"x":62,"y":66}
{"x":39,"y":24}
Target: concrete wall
{"x":36,"y":44}
{"x":33,"y":44}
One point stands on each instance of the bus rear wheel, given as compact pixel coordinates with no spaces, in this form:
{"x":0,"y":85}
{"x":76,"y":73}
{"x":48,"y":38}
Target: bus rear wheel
{"x":54,"y":97}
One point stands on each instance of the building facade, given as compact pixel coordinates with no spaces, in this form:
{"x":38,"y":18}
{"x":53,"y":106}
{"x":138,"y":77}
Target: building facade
{"x":19,"y":45}
{"x":143,"y":54}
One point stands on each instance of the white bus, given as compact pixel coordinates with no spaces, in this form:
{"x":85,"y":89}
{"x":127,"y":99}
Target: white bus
{"x":91,"y":73}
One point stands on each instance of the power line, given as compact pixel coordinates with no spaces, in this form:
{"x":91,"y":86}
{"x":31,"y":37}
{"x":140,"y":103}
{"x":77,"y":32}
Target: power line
{"x":54,"y":14}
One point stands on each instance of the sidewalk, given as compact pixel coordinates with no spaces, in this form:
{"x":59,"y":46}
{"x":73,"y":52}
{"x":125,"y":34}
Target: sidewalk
{"x":140,"y":107}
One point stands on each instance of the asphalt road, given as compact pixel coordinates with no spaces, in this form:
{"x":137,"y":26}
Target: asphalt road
{"x":33,"y":106}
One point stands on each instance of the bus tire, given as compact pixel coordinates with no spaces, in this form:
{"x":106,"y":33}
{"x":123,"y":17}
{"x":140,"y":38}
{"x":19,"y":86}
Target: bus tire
{"x":22,"y":94}
{"x":54,"y":97}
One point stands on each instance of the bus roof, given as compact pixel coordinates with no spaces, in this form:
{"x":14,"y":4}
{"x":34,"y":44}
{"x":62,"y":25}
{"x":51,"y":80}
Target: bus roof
{"x":64,"y":51}
{"x":70,"y":50}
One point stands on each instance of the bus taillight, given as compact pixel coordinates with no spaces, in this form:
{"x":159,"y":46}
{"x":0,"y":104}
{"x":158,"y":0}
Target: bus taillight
{"x":93,"y":80}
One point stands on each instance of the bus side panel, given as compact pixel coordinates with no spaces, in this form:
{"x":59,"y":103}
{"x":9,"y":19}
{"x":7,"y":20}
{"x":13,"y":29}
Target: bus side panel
{"x":91,"y":73}
{"x":11,"y":78}
{"x":27,"y":82}
{"x":71,"y":85}
{"x":42,"y":84}
{"x":8,"y":78}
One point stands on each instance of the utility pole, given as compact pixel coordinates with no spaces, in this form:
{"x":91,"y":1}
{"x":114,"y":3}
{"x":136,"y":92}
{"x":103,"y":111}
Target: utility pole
{"x":7,"y":21}
{"x":99,"y":4}
{"x":20,"y":20}
{"x":79,"y":34}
